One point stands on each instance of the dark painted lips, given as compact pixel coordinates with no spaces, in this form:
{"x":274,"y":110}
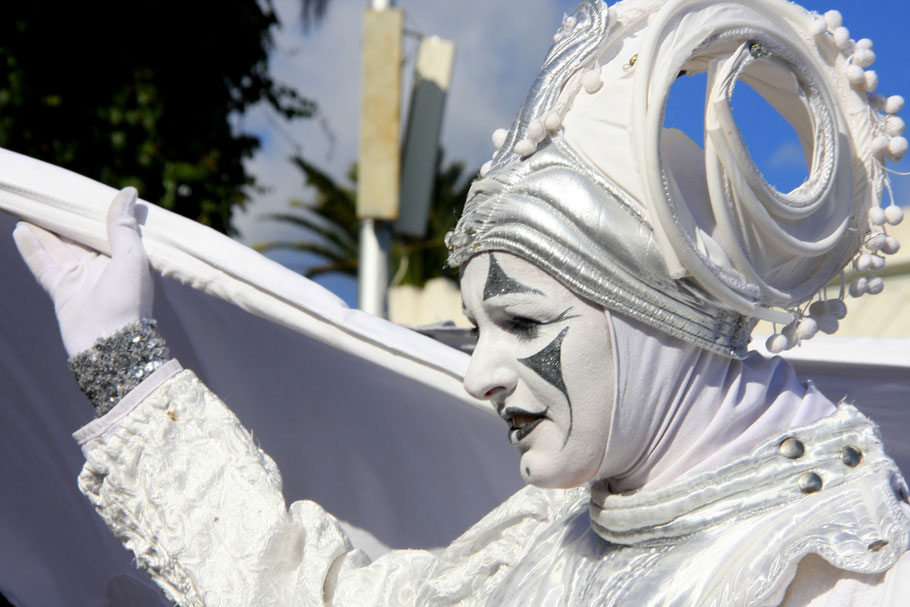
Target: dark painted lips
{"x":521,"y":424}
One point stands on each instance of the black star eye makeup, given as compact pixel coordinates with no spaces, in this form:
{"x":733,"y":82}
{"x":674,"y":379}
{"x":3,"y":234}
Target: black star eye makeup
{"x":547,"y":363}
{"x":499,"y":283}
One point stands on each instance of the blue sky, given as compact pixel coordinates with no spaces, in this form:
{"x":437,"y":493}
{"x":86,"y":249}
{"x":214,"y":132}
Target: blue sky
{"x":499,"y":48}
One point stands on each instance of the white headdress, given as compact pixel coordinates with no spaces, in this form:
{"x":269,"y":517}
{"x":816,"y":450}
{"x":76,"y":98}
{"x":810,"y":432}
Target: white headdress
{"x":590,"y":186}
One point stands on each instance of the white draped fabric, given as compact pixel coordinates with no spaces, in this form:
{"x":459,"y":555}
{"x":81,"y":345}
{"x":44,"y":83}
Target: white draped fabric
{"x":362,"y":416}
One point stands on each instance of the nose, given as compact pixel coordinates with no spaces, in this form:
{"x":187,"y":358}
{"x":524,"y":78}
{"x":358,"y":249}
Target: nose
{"x":489,"y":375}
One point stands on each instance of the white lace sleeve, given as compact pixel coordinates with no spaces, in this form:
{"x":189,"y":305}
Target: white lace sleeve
{"x":183,"y":485}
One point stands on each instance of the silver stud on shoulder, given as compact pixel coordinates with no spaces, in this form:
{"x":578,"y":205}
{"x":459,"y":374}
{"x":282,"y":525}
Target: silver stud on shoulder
{"x":809,"y":482}
{"x":877,"y":545}
{"x":851,"y":456}
{"x":792,"y":448}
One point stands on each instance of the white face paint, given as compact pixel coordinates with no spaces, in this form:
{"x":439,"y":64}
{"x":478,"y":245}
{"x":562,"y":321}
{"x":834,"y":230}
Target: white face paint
{"x":544,"y":359}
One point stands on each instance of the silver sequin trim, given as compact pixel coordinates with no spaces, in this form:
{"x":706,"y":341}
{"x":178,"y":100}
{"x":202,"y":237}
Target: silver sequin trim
{"x":117,"y":364}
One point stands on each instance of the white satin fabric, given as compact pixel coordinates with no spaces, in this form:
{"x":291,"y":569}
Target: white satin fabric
{"x":185,"y":487}
{"x":680,"y":408}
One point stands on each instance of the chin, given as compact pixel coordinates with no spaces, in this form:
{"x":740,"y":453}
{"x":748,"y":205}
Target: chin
{"x":548,"y":471}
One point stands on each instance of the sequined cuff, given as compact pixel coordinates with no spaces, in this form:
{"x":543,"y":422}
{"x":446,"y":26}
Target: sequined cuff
{"x":117,"y":364}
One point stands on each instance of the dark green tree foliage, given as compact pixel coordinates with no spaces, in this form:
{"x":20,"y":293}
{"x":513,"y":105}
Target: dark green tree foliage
{"x":140,"y":93}
{"x":332,"y":228}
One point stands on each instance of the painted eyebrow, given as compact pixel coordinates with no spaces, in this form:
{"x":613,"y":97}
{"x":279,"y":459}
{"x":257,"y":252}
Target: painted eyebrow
{"x":564,"y":315}
{"x":499,"y":283}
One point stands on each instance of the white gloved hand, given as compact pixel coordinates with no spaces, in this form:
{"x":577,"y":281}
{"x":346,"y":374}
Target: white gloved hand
{"x":94,"y":295}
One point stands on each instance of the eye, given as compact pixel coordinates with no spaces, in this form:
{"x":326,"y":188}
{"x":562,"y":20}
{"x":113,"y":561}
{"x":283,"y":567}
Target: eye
{"x":524,"y":328}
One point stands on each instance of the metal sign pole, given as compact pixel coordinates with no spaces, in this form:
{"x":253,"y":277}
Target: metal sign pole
{"x":380,"y":156}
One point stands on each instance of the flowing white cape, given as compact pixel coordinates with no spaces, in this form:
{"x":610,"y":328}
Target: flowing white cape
{"x":365,"y":417}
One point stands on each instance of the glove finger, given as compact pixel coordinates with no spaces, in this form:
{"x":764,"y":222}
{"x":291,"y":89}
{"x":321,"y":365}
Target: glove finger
{"x":122,"y":228}
{"x":30,"y":240}
{"x":60,"y":248}
{"x":74,"y":251}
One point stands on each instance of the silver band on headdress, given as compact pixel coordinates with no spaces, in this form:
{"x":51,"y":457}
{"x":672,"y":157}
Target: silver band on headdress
{"x":588,"y":184}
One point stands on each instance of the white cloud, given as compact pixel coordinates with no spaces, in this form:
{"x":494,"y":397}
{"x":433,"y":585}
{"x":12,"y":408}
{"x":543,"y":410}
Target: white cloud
{"x":787,"y":156}
{"x":500,"y":48}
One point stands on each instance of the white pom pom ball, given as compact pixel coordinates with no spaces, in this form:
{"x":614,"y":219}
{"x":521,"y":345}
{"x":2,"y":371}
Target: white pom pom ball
{"x":877,"y":262}
{"x":790,"y":333}
{"x":818,"y":27}
{"x":870,"y":80}
{"x":876,"y":216}
{"x":807,"y":328}
{"x":837,"y":308}
{"x":499,"y":137}
{"x":865,"y":44}
{"x":777,"y":343}
{"x":841,"y":37}
{"x":855,"y":74}
{"x":875,"y":241}
{"x":892,"y":246}
{"x":591,"y":81}
{"x":894,"y":214}
{"x":833,"y":19}
{"x":863,"y":263}
{"x":827,"y":324}
{"x":880,"y":146}
{"x":897,"y":148}
{"x":525,"y":147}
{"x":863,"y":57}
{"x":894,"y":104}
{"x":817,"y":309}
{"x":552,"y":121}
{"x":875,"y":285}
{"x":858,"y":287}
{"x":485,"y":168}
{"x":536,"y":131}
{"x":894,"y":126}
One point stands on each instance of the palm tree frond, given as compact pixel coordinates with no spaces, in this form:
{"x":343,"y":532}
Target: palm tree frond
{"x":345,"y":267}
{"x":320,"y":227}
{"x":331,"y":219}
{"x":309,"y":247}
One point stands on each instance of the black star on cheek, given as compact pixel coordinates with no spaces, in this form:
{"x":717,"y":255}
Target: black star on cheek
{"x":548,"y":364}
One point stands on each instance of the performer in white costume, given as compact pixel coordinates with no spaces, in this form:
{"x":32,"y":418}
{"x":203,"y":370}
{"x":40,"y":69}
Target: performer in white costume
{"x":614,"y":280}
